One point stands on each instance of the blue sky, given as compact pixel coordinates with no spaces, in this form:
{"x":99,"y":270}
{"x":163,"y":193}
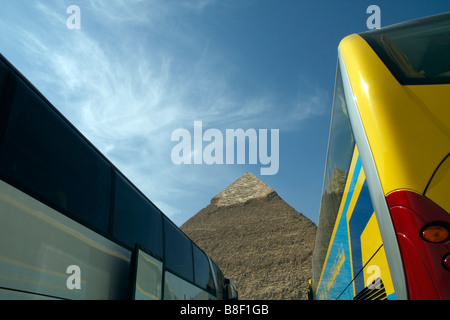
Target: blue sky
{"x":137,"y":70}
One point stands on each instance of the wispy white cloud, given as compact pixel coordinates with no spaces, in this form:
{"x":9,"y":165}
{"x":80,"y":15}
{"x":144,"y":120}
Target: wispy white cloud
{"x":307,"y":105}
{"x":127,"y":95}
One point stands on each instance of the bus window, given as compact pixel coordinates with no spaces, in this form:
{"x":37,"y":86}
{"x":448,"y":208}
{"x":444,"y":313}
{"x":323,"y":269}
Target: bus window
{"x":178,"y":251}
{"x":202,"y":272}
{"x":135,"y":220}
{"x":45,"y":156}
{"x":340,"y":151}
{"x":415,"y":52}
{"x":3,"y":77}
{"x":5,"y":96}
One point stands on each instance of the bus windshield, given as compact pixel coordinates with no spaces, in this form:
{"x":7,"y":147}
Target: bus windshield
{"x":415,"y":52}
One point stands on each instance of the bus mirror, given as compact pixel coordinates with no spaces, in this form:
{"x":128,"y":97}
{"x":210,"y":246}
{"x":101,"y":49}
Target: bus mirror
{"x":230,"y":289}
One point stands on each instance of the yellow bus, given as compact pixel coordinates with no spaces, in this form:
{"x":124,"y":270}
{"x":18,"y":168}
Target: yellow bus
{"x":384,"y":220}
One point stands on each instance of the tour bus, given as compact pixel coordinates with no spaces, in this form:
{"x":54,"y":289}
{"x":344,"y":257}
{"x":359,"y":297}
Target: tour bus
{"x":72,"y":226}
{"x":384,"y":222}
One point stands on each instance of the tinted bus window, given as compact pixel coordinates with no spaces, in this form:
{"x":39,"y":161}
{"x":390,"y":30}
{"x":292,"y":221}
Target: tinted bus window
{"x":4,"y":97}
{"x":43,"y":154}
{"x":202,"y":271}
{"x":3,"y":76}
{"x":340,"y":152}
{"x":415,"y":52}
{"x":178,"y":251}
{"x":135,"y":219}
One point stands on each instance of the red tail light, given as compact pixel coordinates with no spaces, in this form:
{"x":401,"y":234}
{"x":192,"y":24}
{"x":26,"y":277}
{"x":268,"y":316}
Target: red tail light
{"x":435,"y":233}
{"x":446,"y":262}
{"x":422,"y":229}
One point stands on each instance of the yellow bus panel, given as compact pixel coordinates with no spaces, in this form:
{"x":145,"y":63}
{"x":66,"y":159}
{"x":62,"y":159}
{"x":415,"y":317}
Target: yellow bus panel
{"x":404,"y":124}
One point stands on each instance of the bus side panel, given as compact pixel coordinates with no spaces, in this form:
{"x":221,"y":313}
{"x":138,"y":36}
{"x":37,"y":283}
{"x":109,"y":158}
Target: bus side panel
{"x":356,"y":261}
{"x":374,"y":259}
{"x":38,"y":246}
{"x":372,"y":279}
{"x":382,"y":213}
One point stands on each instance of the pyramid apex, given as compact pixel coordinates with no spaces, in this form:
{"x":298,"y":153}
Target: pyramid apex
{"x":247,"y":187}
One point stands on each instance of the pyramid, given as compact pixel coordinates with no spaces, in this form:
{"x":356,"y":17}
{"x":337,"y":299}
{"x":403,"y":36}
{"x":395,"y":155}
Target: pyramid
{"x":257,"y":239}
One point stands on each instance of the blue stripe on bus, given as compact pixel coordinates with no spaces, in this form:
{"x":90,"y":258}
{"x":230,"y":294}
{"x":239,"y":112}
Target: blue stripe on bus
{"x":352,"y":186}
{"x":360,"y":217}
